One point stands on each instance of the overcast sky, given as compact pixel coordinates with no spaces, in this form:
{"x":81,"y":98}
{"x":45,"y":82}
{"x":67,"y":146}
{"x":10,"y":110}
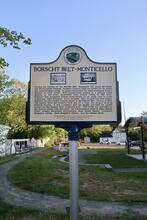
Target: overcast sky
{"x":108,"y":30}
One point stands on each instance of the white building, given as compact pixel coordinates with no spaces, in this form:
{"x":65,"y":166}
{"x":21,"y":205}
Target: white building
{"x":14,"y":146}
{"x":119,"y":135}
{"x":86,"y":140}
{"x":3,"y":138}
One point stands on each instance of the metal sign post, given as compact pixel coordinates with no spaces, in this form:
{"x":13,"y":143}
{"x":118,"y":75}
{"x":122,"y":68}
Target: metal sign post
{"x":74,"y":175}
{"x":142,"y":144}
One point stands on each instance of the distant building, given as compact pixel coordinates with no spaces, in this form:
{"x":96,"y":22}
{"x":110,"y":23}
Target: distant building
{"x":3,"y":139}
{"x":117,"y":136}
{"x":86,"y":140}
{"x":14,"y":146}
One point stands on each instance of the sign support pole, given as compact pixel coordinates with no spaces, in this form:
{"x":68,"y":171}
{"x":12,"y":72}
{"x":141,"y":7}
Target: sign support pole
{"x":74,"y":174}
{"x":143,"y":153}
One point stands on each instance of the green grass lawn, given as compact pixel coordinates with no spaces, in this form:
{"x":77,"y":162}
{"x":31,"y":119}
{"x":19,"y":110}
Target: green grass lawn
{"x":117,"y":158}
{"x":41,"y":173}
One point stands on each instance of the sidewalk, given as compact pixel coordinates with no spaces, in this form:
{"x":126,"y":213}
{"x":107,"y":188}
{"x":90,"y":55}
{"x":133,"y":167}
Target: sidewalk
{"x":19,"y":197}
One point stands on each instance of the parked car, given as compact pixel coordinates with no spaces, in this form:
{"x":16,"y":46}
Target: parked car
{"x":122,"y":143}
{"x":136,"y":143}
{"x":105,"y":142}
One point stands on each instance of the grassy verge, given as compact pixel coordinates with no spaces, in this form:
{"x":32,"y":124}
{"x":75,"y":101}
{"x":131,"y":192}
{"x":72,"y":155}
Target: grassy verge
{"x":41,"y":173}
{"x":5,"y":159}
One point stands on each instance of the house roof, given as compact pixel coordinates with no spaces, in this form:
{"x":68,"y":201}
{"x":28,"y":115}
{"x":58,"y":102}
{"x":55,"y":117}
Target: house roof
{"x":120,"y":130}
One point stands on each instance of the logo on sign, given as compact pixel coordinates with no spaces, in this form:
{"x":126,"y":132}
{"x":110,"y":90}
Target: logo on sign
{"x":73,"y":55}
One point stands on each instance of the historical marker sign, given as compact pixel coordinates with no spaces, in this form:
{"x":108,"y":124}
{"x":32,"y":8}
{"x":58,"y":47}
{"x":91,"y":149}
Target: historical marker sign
{"x":73,"y":88}
{"x":73,"y":92}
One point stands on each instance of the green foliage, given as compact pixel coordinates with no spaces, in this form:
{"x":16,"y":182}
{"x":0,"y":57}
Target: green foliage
{"x":12,"y":106}
{"x":145,"y":135}
{"x":17,"y":88}
{"x":13,"y":114}
{"x":61,"y":134}
{"x":12,"y":38}
{"x":13,"y":111}
{"x":3,"y":63}
{"x":48,"y":132}
{"x":42,"y":131}
{"x":95,"y":132}
{"x":134,"y":134}
{"x":5,"y":83}
{"x":18,"y":131}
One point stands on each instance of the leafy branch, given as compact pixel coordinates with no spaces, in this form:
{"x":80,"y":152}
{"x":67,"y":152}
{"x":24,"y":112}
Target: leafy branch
{"x":11,"y":38}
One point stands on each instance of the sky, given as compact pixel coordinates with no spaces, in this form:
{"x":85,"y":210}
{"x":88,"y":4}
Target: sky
{"x":108,"y":30}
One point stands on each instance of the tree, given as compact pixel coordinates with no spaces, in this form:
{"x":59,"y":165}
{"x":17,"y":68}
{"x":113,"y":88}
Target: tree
{"x":12,"y":112}
{"x":12,"y":105}
{"x":95,"y":132}
{"x":12,"y":38}
{"x":54,"y":135}
{"x":5,"y":83}
{"x":17,"y":88}
{"x":134,"y":133}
